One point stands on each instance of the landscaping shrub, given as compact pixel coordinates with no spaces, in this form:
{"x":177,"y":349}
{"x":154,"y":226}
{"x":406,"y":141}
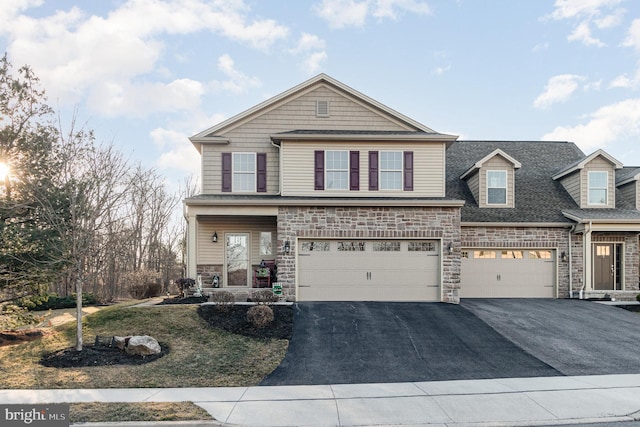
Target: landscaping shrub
{"x":54,"y":301}
{"x":223,"y":299}
{"x":260,"y":316}
{"x":185,"y":283}
{"x":264,"y":296}
{"x":13,"y":316}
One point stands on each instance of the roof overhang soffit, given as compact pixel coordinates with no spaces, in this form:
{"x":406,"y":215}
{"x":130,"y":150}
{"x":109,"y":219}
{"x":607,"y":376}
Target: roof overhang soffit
{"x":606,"y":224}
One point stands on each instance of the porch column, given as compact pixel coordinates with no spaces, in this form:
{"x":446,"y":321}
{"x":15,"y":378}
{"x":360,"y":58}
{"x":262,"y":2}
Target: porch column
{"x":191,"y":246}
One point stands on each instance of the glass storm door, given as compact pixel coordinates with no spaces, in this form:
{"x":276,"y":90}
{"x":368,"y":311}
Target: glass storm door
{"x":237,"y":259}
{"x":604,"y":268}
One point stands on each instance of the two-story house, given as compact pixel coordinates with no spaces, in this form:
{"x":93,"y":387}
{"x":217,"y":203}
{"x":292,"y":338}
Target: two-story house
{"x":354,"y":201}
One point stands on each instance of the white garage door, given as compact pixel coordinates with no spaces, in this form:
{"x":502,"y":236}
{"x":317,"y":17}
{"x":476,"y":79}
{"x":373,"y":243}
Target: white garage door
{"x":367,"y":270}
{"x":508,"y":273}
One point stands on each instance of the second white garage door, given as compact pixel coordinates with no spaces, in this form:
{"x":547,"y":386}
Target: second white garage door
{"x":508,"y":273}
{"x":368,"y":270}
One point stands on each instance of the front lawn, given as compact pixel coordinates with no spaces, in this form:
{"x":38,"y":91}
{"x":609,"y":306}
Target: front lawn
{"x":199,"y":355}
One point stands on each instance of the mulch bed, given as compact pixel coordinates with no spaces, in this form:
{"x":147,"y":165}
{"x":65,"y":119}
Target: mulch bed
{"x":17,"y":337}
{"x":97,"y":356}
{"x":233,"y":318}
{"x":189,"y":300}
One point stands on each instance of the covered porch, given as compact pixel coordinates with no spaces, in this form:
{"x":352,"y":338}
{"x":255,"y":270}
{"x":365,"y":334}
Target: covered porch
{"x":231,"y":247}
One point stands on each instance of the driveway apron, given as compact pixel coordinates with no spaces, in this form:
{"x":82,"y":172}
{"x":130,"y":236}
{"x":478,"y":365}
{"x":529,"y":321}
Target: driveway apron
{"x":377,"y":342}
{"x":576,"y":337}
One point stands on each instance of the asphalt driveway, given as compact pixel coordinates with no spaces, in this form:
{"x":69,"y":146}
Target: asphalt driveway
{"x":374,"y":342}
{"x":575,"y":337}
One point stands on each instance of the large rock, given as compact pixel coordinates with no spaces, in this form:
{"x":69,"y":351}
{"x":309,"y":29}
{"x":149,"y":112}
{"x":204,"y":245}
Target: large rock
{"x":142,"y":345}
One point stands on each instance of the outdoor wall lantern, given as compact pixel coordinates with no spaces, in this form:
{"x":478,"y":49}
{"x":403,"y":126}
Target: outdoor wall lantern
{"x":287,"y":247}
{"x":563,"y":257}
{"x":450,"y":248}
{"x":214,"y":238}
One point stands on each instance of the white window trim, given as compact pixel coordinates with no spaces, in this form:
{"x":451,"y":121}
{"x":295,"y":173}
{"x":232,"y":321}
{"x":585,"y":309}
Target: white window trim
{"x":605,"y":188}
{"x":506,"y":187}
{"x":401,"y":170}
{"x":234,"y":189}
{"x":327,"y":170}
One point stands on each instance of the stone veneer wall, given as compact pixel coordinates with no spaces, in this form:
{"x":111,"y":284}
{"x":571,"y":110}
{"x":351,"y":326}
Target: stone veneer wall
{"x":374,"y":223}
{"x":524,"y":237}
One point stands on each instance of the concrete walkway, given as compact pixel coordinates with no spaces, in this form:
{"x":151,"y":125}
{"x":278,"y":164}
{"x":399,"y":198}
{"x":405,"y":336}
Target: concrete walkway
{"x":502,"y":402}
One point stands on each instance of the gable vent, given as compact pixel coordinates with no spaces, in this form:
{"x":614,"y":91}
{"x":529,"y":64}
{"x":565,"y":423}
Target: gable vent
{"x":322,"y":108}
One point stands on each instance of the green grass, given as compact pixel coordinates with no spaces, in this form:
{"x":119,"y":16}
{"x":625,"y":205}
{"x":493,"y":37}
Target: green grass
{"x":199,"y":355}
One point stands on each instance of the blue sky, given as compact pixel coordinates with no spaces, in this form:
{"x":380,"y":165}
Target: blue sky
{"x":147,"y":74}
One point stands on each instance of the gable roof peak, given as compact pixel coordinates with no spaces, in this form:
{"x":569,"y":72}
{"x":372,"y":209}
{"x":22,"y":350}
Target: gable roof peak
{"x":580,"y":164}
{"x":497,"y":152}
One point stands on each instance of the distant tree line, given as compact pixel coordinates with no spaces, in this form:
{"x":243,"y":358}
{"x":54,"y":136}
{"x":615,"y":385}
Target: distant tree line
{"x":75,"y":214}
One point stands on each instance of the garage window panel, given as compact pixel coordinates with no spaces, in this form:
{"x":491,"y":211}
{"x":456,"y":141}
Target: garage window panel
{"x":386,"y":246}
{"x":539,"y":254}
{"x":512,"y":254}
{"x":484,"y":254}
{"x":315,"y":246}
{"x":421,"y":247}
{"x":351,"y":246}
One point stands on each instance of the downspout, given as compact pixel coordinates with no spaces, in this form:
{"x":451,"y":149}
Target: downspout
{"x":587,"y":259}
{"x":573,"y":228}
{"x":279,"y":167}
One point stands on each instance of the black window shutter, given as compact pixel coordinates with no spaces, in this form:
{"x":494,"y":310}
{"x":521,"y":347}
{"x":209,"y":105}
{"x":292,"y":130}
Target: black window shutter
{"x":373,"y":170}
{"x":408,"y":171}
{"x":226,"y":172}
{"x":319,"y":169}
{"x":261,"y":176}
{"x":354,"y":170}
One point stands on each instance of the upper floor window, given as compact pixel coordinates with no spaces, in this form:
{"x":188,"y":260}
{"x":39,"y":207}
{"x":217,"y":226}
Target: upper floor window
{"x":391,"y":170}
{"x":244,"y":172}
{"x":337,"y":170}
{"x":496,"y":187}
{"x":598,"y":186}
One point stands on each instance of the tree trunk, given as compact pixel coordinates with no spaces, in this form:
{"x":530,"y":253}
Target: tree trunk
{"x":78,"y":314}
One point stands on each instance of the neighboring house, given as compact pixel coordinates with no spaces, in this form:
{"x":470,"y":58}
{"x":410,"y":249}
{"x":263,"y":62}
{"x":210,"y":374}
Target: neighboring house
{"x":355,"y":201}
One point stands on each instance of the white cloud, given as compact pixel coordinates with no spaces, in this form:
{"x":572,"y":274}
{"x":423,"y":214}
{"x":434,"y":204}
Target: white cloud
{"x":179,"y":153}
{"x":558,"y":89}
{"x":438,"y":71}
{"x":238,"y":82}
{"x":344,"y":13}
{"x":97,"y":55}
{"x":587,"y":13}
{"x":633,"y":35}
{"x":608,"y":124}
{"x":313,"y":63}
{"x":309,"y":42}
{"x":583,"y":33}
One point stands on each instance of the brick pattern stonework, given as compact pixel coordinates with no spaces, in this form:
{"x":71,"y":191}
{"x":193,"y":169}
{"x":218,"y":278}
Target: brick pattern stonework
{"x":524,"y":237}
{"x":371,"y":223}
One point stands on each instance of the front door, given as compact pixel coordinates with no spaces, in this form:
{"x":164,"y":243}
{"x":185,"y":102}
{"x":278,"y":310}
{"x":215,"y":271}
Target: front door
{"x":238,"y":261}
{"x":604,"y":268}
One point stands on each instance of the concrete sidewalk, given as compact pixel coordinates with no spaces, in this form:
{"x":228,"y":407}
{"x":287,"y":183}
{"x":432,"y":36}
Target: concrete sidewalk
{"x":502,"y":402}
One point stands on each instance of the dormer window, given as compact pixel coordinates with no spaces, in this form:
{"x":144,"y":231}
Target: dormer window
{"x":496,"y":187}
{"x":598,"y":187}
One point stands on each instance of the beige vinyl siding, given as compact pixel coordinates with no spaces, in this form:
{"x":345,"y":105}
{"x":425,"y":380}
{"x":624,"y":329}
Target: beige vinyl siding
{"x":571,"y":183}
{"x":473,"y":183}
{"x":630,"y":192}
{"x":597,"y":164}
{"x":212,"y":164}
{"x":253,"y":134}
{"x":497,"y":163}
{"x":428,"y":165}
{"x":213,"y":253}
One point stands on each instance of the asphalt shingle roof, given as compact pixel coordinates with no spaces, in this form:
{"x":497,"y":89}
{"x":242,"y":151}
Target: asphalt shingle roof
{"x":538,"y":197}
